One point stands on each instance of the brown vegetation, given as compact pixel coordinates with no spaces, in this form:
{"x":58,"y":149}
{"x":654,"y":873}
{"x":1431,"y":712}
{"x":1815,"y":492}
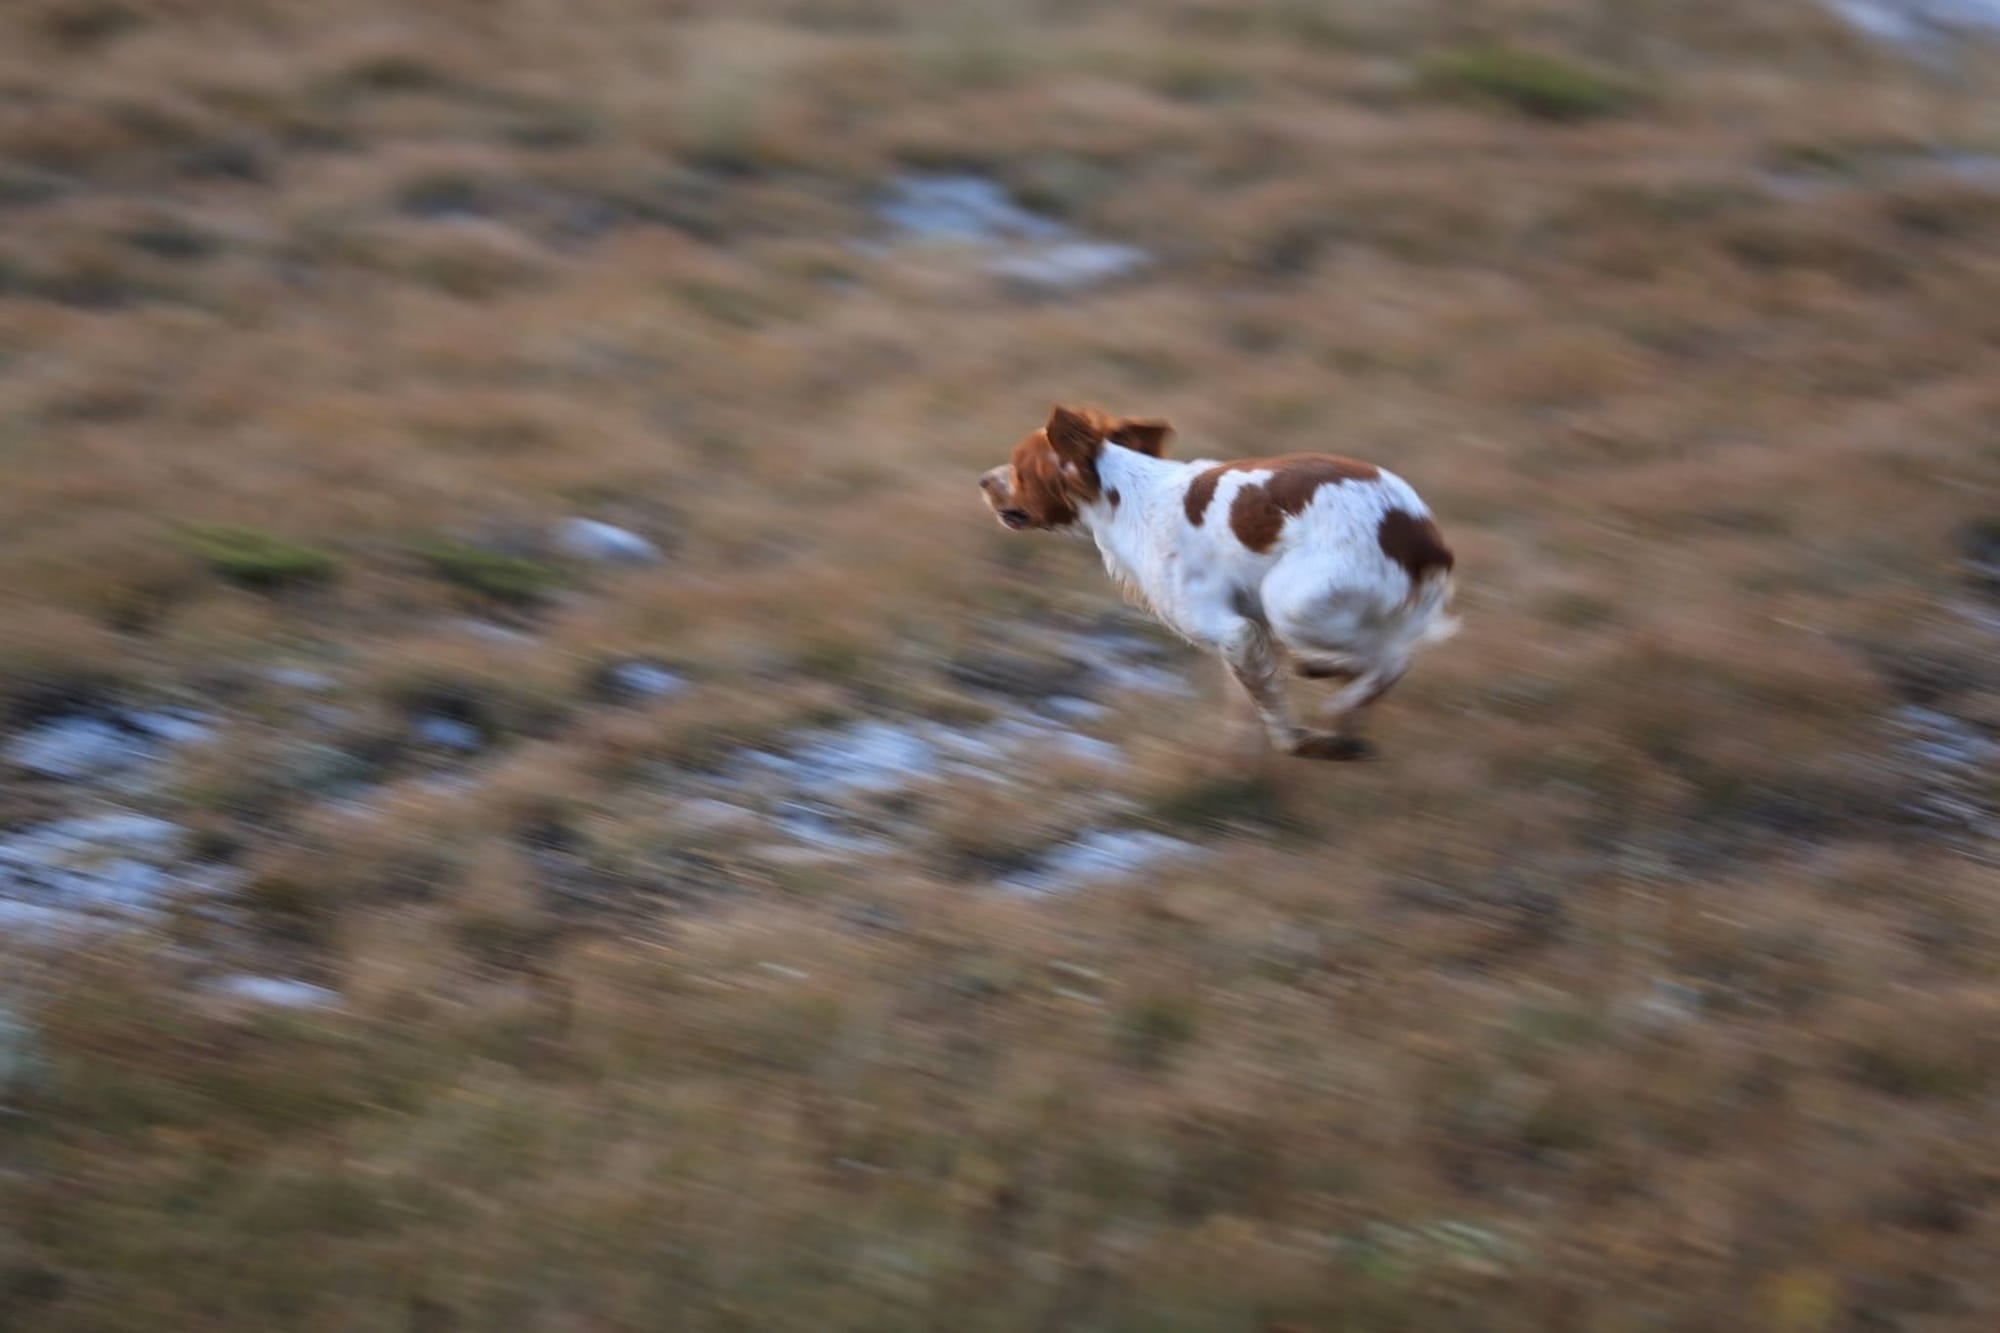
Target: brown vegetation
{"x":1647,"y":983}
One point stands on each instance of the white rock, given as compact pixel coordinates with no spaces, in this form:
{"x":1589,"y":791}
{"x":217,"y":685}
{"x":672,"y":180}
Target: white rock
{"x":644,"y":680}
{"x":447,"y":733}
{"x":1940,"y":741}
{"x":1074,"y":708}
{"x":81,"y":747}
{"x":1107,"y":854}
{"x":1025,"y":743}
{"x":300,"y":678}
{"x":278,"y":992}
{"x":605,"y":544}
{"x":818,"y":829}
{"x":871,"y":757}
{"x":1026,"y":249}
{"x":961,"y":208}
{"x":501,"y":635}
{"x":1919,"y":22}
{"x":78,"y":748}
{"x":40,"y":921}
{"x":117,"y":863}
{"x":172,"y":726}
{"x":1071,"y":265}
{"x":707,"y":815}
{"x":123,"y":831}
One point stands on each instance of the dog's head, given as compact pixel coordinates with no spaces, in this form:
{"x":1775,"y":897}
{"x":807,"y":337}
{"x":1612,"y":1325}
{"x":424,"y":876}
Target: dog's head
{"x":1054,"y":471}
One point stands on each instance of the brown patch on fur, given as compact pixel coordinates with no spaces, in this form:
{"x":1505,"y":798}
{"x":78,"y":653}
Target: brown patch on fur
{"x":1078,"y":435}
{"x":1256,"y":519}
{"x":1200,"y":492}
{"x":1112,"y":497}
{"x":1148,"y":437}
{"x":1055,"y":469}
{"x":1295,"y":477}
{"x":1039,"y":488}
{"x":1259,"y":512}
{"x":1414,"y":543}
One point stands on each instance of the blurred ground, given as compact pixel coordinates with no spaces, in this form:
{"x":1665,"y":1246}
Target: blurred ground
{"x":533,"y":795}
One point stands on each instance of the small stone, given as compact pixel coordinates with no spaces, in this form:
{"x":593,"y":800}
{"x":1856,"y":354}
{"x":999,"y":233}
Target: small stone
{"x":1668,"y":1005}
{"x":868,"y":758}
{"x":1027,"y":250}
{"x":38,"y":920}
{"x":961,"y":208}
{"x":1073,"y":708}
{"x":824,"y":831}
{"x":278,"y":992}
{"x":1010,"y":739}
{"x":604,"y":543}
{"x":447,"y":733}
{"x":80,"y":747}
{"x":121,"y":863}
{"x":1071,"y":266}
{"x":495,"y":634}
{"x":706,"y":815}
{"x":171,"y":726}
{"x":1918,"y":23}
{"x":1107,"y":854}
{"x":133,"y":833}
{"x":75,"y":749}
{"x":802,"y":858}
{"x":302,"y":679}
{"x":642,"y":680}
{"x":1087,"y":749}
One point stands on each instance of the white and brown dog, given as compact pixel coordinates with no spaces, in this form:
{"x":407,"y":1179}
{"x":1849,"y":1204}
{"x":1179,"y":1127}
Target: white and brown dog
{"x":1333,"y":562}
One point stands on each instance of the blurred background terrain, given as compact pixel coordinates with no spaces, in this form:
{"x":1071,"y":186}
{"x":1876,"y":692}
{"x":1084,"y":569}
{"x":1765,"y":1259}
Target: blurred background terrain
{"x":534,"y":796}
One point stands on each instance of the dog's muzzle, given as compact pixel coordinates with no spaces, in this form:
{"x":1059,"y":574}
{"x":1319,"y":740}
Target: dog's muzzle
{"x":997,"y":485}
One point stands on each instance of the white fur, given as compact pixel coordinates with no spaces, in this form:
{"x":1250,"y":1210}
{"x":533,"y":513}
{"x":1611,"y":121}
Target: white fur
{"x":1325,"y":592}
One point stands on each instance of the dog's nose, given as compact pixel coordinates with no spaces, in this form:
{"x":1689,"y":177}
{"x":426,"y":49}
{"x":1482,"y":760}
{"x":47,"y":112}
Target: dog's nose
{"x":992,"y":482}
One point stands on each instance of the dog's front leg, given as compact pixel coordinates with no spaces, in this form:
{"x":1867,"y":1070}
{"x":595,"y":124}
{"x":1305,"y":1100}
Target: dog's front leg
{"x":1246,"y":649}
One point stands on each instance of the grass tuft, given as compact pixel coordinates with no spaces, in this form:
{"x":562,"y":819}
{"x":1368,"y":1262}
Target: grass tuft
{"x":515,"y":580}
{"x":259,"y":559}
{"x":1535,"y":84}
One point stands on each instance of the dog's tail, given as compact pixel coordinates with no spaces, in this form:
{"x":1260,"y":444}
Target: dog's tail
{"x":1426,"y":617}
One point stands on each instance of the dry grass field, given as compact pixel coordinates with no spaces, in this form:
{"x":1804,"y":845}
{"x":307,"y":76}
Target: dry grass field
{"x":835,"y":914}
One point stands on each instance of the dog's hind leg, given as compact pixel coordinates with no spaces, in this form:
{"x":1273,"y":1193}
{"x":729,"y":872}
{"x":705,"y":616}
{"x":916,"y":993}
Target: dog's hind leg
{"x":1246,"y":646}
{"x":1325,"y":666}
{"x":1342,"y":713}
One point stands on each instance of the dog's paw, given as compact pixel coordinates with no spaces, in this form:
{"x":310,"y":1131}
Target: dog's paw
{"x":1338,"y":749}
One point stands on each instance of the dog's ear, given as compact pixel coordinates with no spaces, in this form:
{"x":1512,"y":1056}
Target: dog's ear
{"x":1075,"y":436}
{"x":1148,"y":436}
